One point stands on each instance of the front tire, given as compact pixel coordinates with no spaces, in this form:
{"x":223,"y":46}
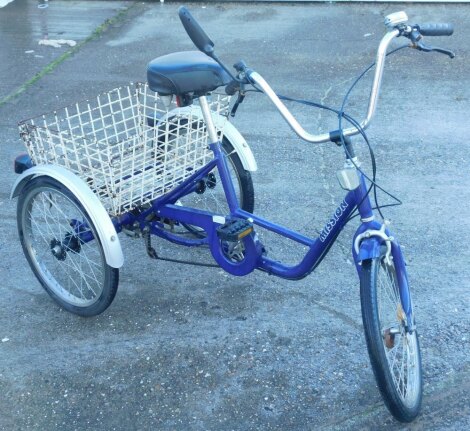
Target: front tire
{"x":394,"y":353}
{"x":51,"y":225}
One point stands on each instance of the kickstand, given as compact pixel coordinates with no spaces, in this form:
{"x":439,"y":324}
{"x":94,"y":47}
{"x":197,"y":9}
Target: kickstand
{"x":148,"y":245}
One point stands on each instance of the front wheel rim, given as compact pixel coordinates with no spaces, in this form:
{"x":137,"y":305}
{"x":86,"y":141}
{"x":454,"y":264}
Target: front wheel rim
{"x":400,"y":346}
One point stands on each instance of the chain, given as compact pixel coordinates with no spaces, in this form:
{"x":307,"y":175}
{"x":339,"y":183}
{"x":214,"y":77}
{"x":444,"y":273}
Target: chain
{"x":152,"y":253}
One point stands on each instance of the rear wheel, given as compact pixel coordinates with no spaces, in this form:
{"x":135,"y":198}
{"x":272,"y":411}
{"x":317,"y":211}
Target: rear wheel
{"x":211,"y":197}
{"x":63,"y":249}
{"x":394,"y":352}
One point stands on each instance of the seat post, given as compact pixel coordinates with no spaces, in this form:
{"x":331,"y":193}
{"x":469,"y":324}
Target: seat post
{"x":206,"y":113}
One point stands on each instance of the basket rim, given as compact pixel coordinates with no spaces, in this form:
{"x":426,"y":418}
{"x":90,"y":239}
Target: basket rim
{"x":54,"y":111}
{"x":135,"y":84}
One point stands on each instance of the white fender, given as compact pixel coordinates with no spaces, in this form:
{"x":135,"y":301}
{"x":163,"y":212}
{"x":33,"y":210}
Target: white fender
{"x":91,"y":203}
{"x":230,"y":132}
{"x":239,"y":144}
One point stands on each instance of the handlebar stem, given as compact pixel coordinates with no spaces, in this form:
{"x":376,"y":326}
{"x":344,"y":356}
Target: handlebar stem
{"x":374,"y":94}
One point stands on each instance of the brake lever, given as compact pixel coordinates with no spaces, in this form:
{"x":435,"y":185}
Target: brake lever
{"x":420,"y":46}
{"x":241,"y":97}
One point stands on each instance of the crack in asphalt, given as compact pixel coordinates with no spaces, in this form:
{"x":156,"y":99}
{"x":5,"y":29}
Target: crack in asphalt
{"x":341,"y":316}
{"x":437,"y":400}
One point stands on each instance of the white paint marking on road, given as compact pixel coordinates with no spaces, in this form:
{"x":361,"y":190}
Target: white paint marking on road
{"x":57,"y":43}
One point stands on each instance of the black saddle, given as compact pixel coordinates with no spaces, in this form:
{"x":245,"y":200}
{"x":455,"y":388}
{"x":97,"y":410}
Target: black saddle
{"x":185,"y":72}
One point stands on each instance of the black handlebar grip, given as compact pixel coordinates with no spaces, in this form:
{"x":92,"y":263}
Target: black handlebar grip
{"x":436,"y":29}
{"x":195,"y":32}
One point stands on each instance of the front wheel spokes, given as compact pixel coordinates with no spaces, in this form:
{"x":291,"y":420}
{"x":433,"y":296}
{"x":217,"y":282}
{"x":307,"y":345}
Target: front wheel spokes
{"x":398,"y":372}
{"x":395,"y":338}
{"x":393,"y":350}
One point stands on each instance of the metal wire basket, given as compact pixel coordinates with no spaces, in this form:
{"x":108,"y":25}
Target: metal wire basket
{"x":130,"y":145}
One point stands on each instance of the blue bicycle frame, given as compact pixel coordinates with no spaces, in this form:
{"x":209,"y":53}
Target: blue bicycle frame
{"x":254,"y":256}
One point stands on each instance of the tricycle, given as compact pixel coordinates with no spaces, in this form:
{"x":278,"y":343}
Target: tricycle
{"x":160,"y":159}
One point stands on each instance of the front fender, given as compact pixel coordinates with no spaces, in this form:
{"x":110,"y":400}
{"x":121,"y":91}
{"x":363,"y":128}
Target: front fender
{"x":91,"y":203}
{"x":369,"y":249}
{"x":373,"y":247}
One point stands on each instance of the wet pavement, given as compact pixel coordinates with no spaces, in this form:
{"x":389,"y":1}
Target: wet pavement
{"x":190,"y":348}
{"x":23,"y":24}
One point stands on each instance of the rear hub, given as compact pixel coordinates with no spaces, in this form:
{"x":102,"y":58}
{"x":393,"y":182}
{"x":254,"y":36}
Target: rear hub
{"x":57,"y":250}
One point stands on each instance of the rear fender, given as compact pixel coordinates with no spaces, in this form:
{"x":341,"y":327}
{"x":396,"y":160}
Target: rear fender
{"x":91,"y":203}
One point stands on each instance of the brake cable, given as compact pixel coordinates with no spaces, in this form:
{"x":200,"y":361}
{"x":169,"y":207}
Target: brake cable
{"x":373,"y":182}
{"x":341,"y":114}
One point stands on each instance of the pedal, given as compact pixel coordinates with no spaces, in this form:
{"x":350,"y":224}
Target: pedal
{"x":234,"y":230}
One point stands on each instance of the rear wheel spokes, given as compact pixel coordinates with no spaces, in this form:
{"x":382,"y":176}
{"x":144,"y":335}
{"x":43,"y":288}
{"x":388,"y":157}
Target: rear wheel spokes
{"x":74,"y":275}
{"x":63,"y":247}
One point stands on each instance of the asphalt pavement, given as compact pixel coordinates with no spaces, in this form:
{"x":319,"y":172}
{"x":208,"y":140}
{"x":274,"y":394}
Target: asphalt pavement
{"x":192,"y":348}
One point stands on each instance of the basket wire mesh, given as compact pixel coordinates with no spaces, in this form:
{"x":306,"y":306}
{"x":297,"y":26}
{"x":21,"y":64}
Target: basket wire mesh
{"x":130,"y":145}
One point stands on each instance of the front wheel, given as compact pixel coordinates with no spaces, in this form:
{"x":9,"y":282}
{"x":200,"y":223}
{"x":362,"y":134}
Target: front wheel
{"x":63,"y":248}
{"x":394,"y":352}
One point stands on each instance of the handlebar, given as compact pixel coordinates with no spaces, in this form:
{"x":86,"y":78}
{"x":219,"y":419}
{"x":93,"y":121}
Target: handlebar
{"x":414,"y":33}
{"x":397,"y":26}
{"x":326,"y":137}
{"x":195,"y":32}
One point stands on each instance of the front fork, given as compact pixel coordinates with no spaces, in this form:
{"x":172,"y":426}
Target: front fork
{"x":374,"y":240}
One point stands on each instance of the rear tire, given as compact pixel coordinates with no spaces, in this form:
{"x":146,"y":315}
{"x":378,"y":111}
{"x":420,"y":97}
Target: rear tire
{"x":394,"y":353}
{"x":73,"y":272}
{"x":214,"y":200}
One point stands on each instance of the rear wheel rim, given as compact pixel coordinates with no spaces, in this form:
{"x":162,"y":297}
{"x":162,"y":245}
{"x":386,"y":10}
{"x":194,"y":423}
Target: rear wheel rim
{"x":77,"y":276}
